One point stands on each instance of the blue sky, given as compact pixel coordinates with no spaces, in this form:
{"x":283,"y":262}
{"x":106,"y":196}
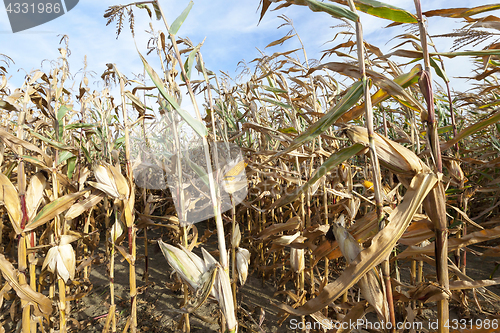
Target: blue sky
{"x":230,"y":29}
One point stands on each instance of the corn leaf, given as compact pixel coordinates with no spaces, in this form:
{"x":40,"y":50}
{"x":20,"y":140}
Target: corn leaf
{"x":404,"y":80}
{"x":197,"y":125}
{"x":471,"y":130}
{"x":188,"y":65}
{"x":381,"y":247}
{"x":383,"y":10}
{"x":461,"y":12}
{"x":24,"y":291}
{"x":174,"y":28}
{"x":15,"y":140}
{"x":335,"y":11}
{"x":34,"y":194}
{"x":350,"y":98}
{"x":54,"y":208}
{"x":334,"y":160}
{"x":10,"y":199}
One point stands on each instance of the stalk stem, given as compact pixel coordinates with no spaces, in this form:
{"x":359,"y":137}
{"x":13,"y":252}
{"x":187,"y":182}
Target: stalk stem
{"x":435,"y":202}
{"x":377,"y":184}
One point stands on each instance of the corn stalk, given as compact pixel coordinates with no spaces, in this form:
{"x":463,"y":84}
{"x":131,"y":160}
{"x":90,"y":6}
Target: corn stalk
{"x":435,"y":203}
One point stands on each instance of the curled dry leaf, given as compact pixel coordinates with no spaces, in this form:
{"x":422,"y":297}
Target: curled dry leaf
{"x":78,"y":208}
{"x":34,"y":194}
{"x":10,"y":199}
{"x":392,"y":155}
{"x":24,"y":291}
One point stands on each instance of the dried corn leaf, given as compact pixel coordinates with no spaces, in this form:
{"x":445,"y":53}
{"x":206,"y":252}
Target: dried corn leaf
{"x":404,"y":80}
{"x":454,"y":243}
{"x":392,"y":155}
{"x":291,"y":224}
{"x":10,"y":199}
{"x":24,"y":291}
{"x":350,"y":99}
{"x":34,"y":194}
{"x":15,"y":140}
{"x":334,"y":160}
{"x":382,"y":245}
{"x":54,"y":208}
{"x":297,"y":260}
{"x":78,"y":208}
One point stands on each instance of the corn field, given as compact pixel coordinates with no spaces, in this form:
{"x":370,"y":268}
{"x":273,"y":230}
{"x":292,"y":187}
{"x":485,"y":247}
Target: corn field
{"x":344,"y":191}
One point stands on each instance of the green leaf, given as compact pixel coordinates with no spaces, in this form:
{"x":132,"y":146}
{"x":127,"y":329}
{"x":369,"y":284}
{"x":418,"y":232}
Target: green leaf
{"x":197,"y":125}
{"x":385,"y":11}
{"x":272,"y":101}
{"x":198,"y":170}
{"x":71,"y":166}
{"x":52,"y":143}
{"x":350,"y":98}
{"x":63,"y":156}
{"x":79,"y":125}
{"x":188,"y":65}
{"x":60,"y":119}
{"x":48,"y":212}
{"x":174,"y":28}
{"x":332,"y":161}
{"x":439,"y":71}
{"x":144,"y":6}
{"x":275,"y":90}
{"x":87,"y":155}
{"x":471,"y":130}
{"x":62,"y":112}
{"x":288,"y":130}
{"x":157,"y":10}
{"x":335,"y":11}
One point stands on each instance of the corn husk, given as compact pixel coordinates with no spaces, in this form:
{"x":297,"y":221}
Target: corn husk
{"x":369,"y":284}
{"x":10,"y":199}
{"x":189,"y":266}
{"x":242,"y":263}
{"x":226,"y":303}
{"x":34,"y":194}
{"x":111,"y":181}
{"x":61,"y":260}
{"x":197,"y":272}
{"x":297,"y":259}
{"x":236,"y":237}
